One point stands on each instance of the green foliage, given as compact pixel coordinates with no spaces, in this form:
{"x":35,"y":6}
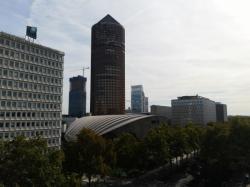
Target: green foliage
{"x":225,"y":150}
{"x":30,"y":163}
{"x":128,"y":151}
{"x":156,"y":147}
{"x":91,"y":155}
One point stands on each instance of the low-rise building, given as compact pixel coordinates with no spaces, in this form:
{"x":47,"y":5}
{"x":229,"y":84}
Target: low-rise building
{"x":162,"y":111}
{"x":193,"y":109}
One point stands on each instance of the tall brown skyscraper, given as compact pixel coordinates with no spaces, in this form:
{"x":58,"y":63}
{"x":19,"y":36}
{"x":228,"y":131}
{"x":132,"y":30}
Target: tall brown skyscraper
{"x":107,"y":67}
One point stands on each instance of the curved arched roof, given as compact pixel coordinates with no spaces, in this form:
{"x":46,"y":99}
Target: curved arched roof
{"x":101,"y":124}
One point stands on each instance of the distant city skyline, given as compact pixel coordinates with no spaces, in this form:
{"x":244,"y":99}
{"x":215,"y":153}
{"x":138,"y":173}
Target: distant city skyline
{"x":173,"y":48}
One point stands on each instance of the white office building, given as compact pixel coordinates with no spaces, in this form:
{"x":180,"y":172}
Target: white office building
{"x":31,"y":80}
{"x":193,"y":109}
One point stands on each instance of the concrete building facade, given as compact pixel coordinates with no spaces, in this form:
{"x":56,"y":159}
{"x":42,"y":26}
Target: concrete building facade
{"x":193,"y":109}
{"x":107,"y":67}
{"x":77,"y":96}
{"x":165,"y":111}
{"x":31,"y":80}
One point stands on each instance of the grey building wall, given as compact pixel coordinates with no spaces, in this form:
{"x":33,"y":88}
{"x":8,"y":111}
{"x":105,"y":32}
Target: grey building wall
{"x":209,"y":111}
{"x":193,"y":109}
{"x":221,"y":112}
{"x":31,"y":80}
{"x":161,"y":111}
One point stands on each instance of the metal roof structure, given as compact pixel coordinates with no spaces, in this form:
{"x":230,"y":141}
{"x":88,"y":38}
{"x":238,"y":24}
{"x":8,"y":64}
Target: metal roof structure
{"x":101,"y":124}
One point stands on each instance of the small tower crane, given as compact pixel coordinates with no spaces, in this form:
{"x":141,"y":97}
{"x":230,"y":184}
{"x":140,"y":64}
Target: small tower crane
{"x":83,"y":69}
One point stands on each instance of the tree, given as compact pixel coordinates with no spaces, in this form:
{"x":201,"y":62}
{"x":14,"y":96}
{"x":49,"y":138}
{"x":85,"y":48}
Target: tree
{"x":127,"y":149}
{"x":30,"y":163}
{"x":193,"y":136}
{"x":156,"y":146}
{"x":177,"y":139}
{"x":91,"y":155}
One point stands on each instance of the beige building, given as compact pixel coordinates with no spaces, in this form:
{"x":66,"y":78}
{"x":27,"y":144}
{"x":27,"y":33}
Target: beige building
{"x":31,"y":80}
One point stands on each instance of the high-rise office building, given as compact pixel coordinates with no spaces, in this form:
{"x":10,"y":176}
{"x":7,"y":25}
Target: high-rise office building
{"x":221,"y":112}
{"x":139,"y":103}
{"x":31,"y":80}
{"x":193,"y":109}
{"x":77,"y":96}
{"x":107,"y":67}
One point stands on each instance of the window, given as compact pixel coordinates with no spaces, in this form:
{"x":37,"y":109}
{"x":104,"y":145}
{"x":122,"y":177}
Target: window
{"x":5,"y":73}
{"x":7,"y":52}
{"x":7,"y":42}
{"x":7,"y":124}
{"x":8,"y":105}
{"x":13,"y":44}
{"x":3,"y":103}
{"x":9,"y":93}
{"x":6,"y":135}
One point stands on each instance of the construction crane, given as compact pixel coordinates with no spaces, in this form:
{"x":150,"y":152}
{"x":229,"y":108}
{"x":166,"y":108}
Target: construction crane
{"x":83,"y":69}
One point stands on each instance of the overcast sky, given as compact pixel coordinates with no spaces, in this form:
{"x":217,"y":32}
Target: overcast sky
{"x":173,"y":47}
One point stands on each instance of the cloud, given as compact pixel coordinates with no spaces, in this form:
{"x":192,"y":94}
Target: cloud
{"x":173,"y":48}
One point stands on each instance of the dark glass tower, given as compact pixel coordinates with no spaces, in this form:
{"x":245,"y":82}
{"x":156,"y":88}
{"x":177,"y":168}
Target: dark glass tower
{"x":77,"y":96}
{"x":107,"y":67}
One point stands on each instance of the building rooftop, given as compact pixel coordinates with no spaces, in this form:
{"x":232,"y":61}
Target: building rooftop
{"x":108,"y":20}
{"x":101,"y":124}
{"x":77,"y":78}
{"x":191,"y":97}
{"x":13,"y":37}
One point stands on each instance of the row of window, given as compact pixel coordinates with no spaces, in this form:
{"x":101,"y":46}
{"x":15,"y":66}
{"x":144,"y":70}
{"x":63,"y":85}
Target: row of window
{"x":29,"y":105}
{"x":17,"y":85}
{"x":14,"y":114}
{"x":28,"y":124}
{"x":30,"y":48}
{"x":29,"y":58}
{"x":30,"y":134}
{"x":29,"y":96}
{"x":10,"y":64}
{"x":24,"y":126}
{"x":29,"y":77}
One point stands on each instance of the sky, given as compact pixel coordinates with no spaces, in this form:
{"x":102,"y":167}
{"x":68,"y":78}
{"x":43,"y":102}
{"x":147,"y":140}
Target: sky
{"x":173,"y":48}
